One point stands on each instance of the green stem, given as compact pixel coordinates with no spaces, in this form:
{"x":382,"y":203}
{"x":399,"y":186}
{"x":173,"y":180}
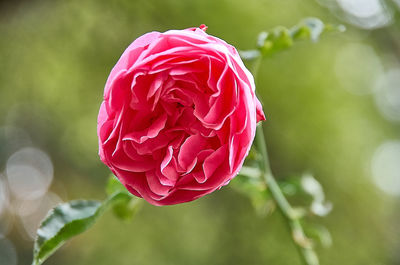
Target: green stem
{"x":303,"y":244}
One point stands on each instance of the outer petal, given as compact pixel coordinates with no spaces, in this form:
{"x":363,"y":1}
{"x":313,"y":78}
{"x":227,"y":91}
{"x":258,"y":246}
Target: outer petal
{"x":130,"y":56}
{"x":260,"y":113}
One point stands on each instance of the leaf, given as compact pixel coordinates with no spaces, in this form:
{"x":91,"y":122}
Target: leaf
{"x":62,"y":223}
{"x":113,"y":186}
{"x":249,"y":183}
{"x":249,"y":54}
{"x":252,"y":172}
{"x":311,"y":186}
{"x":319,"y":233}
{"x":75,"y":217}
{"x":308,"y":29}
{"x":291,"y":187}
{"x":282,"y":38}
{"x":126,"y":207}
{"x":279,"y":39}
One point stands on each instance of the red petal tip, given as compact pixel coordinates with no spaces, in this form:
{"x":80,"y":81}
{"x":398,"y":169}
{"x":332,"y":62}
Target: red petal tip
{"x":203,"y":27}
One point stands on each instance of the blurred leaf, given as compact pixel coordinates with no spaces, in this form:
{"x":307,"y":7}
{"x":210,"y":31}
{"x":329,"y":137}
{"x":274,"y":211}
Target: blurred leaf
{"x":263,"y":208}
{"x":73,"y":218}
{"x":253,"y":173}
{"x":320,"y":208}
{"x":311,"y":186}
{"x":249,"y":183}
{"x":308,"y":29}
{"x":114,"y":185}
{"x":291,"y":187}
{"x":252,"y":160}
{"x":249,"y":54}
{"x":320,"y":233}
{"x":282,"y":38}
{"x":308,"y":189}
{"x":298,"y":212}
{"x":278,"y":39}
{"x":126,"y":207}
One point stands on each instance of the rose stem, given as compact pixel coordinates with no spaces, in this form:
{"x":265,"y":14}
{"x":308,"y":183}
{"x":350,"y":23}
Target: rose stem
{"x":303,"y":244}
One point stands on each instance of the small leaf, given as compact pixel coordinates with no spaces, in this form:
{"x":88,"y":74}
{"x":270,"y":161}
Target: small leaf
{"x":251,"y":172}
{"x":282,"y":38}
{"x":290,"y":187}
{"x":249,"y":183}
{"x":114,"y":185}
{"x":316,"y":27}
{"x":262,"y":37}
{"x":320,"y":233}
{"x":62,"y":223}
{"x":126,"y":208}
{"x":311,"y":186}
{"x":278,"y":39}
{"x":127,"y":205}
{"x":249,"y":54}
{"x":309,"y":28}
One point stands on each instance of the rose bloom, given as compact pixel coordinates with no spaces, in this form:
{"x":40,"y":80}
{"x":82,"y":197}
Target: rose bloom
{"x":179,"y":116}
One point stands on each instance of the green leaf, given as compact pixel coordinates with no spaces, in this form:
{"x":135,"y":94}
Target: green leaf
{"x":319,"y":233}
{"x":282,"y":38}
{"x":73,"y":218}
{"x":127,"y":206}
{"x":62,"y":223}
{"x":272,"y":42}
{"x":114,"y":186}
{"x":308,"y":29}
{"x":249,"y":183}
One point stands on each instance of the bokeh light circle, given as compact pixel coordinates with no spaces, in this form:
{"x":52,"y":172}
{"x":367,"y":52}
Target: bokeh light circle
{"x":29,"y":172}
{"x":386,"y":167}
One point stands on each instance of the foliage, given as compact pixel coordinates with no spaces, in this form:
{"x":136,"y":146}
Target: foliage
{"x":270,"y":43}
{"x":282,"y":38}
{"x":75,"y":217}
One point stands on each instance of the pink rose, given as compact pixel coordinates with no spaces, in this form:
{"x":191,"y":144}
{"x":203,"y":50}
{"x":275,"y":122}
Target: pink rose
{"x":179,"y":116}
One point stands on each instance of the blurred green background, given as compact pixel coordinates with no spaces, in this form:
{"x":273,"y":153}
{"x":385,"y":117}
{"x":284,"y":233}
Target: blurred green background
{"x":333,"y":110}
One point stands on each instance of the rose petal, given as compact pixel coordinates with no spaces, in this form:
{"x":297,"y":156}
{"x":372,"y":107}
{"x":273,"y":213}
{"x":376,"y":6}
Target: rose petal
{"x":122,"y":161}
{"x":130,"y":56}
{"x":260,"y":113}
{"x":212,"y":162}
{"x":150,"y":132}
{"x":155,"y":184}
{"x":189,"y":149}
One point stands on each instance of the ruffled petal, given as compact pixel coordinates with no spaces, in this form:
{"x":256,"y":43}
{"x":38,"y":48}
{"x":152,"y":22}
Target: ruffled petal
{"x":189,"y":149}
{"x":150,"y":132}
